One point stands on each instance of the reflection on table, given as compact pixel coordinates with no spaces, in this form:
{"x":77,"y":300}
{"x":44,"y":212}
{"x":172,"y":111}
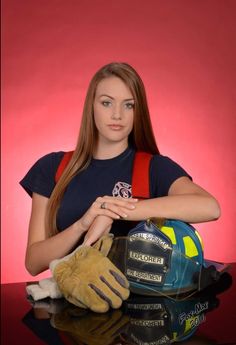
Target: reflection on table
{"x":140,"y":320}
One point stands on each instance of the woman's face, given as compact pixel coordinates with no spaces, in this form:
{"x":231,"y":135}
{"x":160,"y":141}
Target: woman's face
{"x":113,"y":111}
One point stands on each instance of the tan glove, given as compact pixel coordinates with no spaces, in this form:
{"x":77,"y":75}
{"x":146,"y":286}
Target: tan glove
{"x":104,"y":244}
{"x":90,"y":328}
{"x":88,"y":279}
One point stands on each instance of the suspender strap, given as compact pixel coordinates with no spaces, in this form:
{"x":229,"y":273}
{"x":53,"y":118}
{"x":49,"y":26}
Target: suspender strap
{"x":140,"y":175}
{"x":65,"y":160}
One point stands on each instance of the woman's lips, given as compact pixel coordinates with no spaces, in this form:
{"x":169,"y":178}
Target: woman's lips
{"x":115,"y":127}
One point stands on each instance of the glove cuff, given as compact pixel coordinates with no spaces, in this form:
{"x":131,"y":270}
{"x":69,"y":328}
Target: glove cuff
{"x":54,"y":263}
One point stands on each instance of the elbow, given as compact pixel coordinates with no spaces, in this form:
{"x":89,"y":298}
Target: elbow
{"x":215,"y":209}
{"x":32,"y":263}
{"x":31,"y":268}
{"x":31,"y":271}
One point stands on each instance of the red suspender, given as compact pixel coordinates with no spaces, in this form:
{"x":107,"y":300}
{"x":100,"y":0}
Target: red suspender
{"x":65,"y":160}
{"x":140,"y":175}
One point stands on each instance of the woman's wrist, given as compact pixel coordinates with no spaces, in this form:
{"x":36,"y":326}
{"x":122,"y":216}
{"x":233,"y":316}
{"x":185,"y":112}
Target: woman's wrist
{"x":79,"y":228}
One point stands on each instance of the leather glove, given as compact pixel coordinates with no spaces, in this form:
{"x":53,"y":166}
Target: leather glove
{"x":88,"y":279}
{"x":104,"y":244}
{"x":48,"y":287}
{"x":90,"y":328}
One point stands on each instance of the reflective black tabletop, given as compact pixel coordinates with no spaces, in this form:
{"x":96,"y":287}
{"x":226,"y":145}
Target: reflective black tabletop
{"x":204,"y":319}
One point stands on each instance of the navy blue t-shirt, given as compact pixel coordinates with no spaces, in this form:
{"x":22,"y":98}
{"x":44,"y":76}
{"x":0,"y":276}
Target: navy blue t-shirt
{"x":102,"y":177}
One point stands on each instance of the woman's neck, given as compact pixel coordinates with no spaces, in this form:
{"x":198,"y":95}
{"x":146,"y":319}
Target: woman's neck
{"x":107,"y":151}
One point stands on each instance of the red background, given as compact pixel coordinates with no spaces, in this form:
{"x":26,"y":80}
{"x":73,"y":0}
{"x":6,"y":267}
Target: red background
{"x":184,"y":51}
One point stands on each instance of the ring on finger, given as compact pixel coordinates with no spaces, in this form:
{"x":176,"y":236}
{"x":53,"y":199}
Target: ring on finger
{"x":103,"y":205}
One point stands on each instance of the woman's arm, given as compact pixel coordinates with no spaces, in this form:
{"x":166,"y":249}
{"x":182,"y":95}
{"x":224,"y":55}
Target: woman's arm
{"x":101,"y":226}
{"x":42,"y":250}
{"x":186,"y":201}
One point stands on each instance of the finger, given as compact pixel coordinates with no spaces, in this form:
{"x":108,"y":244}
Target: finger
{"x":114,"y":275}
{"x":83,"y":295}
{"x":113,"y":211}
{"x":89,"y":297}
{"x":120,"y":211}
{"x":117,"y":284}
{"x":127,"y":203}
{"x":119,"y":277}
{"x":106,"y":292}
{"x":97,"y":210}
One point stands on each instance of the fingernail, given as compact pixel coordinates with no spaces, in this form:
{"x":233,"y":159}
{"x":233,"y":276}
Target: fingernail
{"x":132,"y":206}
{"x":124,"y":215}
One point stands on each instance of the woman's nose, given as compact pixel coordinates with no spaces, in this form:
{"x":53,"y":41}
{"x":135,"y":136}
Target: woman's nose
{"x":116,"y":114}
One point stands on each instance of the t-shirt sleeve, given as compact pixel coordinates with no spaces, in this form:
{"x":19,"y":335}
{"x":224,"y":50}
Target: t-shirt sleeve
{"x":163,"y":172}
{"x":40,"y":178}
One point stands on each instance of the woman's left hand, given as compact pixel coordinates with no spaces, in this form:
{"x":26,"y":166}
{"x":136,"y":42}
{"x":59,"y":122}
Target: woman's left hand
{"x":100,"y":226}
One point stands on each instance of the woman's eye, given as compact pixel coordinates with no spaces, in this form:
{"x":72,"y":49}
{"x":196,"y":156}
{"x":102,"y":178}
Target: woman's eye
{"x":106,"y":103}
{"x":129,"y":105}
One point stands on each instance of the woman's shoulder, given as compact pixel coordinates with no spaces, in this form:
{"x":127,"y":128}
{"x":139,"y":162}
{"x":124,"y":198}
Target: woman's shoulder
{"x":40,"y":178}
{"x":161,"y":157}
{"x":163,"y":172}
{"x":51,"y":157}
{"x":48,"y":163}
{"x":164,"y":161}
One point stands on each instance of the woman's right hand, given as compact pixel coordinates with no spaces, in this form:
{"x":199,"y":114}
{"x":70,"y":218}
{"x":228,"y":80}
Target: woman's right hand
{"x":113,"y":207}
{"x":100,"y":227}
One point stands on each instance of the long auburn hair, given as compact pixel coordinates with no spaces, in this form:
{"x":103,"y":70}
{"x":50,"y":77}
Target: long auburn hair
{"x":141,"y":137}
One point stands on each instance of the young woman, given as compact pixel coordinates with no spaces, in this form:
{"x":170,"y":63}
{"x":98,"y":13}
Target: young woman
{"x":94,"y":194}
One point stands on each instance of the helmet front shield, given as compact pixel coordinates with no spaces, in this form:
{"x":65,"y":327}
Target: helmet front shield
{"x":154,"y":267}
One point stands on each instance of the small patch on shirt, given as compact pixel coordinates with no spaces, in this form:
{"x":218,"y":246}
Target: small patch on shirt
{"x":122,"y":189}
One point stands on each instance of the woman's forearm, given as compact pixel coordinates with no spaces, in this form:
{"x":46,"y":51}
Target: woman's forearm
{"x":190,"y":208}
{"x":41,"y":250}
{"x":41,"y":253}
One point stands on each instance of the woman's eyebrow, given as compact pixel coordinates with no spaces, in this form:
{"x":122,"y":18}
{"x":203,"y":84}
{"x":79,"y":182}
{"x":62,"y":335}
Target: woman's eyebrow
{"x":104,"y":95}
{"x":128,"y":99}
